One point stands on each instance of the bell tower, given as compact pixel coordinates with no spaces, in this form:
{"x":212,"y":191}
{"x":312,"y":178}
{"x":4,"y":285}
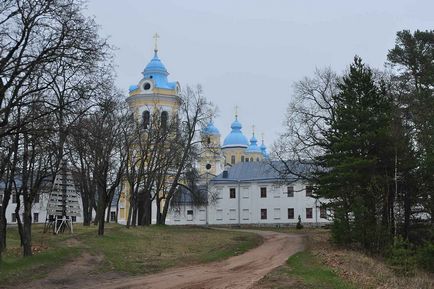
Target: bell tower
{"x":211,"y":159}
{"x":154,"y":91}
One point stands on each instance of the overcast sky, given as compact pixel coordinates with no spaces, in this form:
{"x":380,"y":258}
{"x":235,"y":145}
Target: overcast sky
{"x":248,"y":53}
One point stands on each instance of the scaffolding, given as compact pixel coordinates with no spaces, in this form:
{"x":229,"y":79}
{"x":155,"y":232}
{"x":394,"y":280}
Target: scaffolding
{"x":63,"y":204}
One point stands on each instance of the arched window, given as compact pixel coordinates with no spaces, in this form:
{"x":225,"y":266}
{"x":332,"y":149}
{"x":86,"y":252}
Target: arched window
{"x":164,"y":118}
{"x":242,"y":158}
{"x":145,"y":119}
{"x":208,"y":140}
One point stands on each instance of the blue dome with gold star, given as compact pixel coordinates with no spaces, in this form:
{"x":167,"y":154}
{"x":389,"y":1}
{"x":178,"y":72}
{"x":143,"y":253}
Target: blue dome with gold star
{"x":235,"y":138}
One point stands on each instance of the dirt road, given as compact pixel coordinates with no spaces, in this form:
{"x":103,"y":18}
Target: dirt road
{"x":237,"y":272}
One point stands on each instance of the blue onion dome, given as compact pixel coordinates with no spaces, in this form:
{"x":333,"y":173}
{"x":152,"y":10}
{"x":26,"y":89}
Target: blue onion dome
{"x":235,"y":138}
{"x":133,"y":87}
{"x":156,"y":71}
{"x":155,"y":65}
{"x":253,"y":147}
{"x":264,"y":150}
{"x":210,"y":129}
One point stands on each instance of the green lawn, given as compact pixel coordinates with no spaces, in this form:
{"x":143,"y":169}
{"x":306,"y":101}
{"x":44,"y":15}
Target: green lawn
{"x":134,"y":250}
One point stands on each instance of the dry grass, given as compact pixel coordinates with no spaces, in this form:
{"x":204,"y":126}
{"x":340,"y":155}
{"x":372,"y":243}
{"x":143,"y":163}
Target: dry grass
{"x":131,"y":251}
{"x":365,"y":271}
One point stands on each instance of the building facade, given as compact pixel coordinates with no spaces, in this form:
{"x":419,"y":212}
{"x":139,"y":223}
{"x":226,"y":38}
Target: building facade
{"x":253,"y":193}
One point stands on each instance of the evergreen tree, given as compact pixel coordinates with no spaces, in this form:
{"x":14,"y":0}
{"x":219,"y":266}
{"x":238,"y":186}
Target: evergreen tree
{"x":413,"y":60}
{"x":357,"y":174}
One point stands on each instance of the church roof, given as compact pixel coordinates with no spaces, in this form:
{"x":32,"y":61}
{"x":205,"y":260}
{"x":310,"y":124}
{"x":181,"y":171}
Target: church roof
{"x":263,"y":149}
{"x":235,"y":138}
{"x":210,"y":129}
{"x":262,"y":171}
{"x":156,"y":71}
{"x":253,"y":147}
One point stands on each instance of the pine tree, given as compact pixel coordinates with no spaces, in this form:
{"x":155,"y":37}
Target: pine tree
{"x":358,"y":161}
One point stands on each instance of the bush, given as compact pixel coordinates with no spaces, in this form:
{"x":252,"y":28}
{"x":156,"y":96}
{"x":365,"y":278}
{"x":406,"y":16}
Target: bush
{"x":401,"y":258}
{"x":425,"y":257}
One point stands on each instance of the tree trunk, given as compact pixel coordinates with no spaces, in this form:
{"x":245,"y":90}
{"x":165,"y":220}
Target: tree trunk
{"x":27,"y":229}
{"x":134,"y":218}
{"x":130,"y":212}
{"x":101,"y":212}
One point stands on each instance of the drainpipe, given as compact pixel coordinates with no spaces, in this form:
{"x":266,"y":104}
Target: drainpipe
{"x":207,"y":201}
{"x":239,"y":204}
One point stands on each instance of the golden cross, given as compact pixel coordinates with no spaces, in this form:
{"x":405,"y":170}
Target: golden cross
{"x":236,"y":111}
{"x":253,"y":129}
{"x":156,"y":36}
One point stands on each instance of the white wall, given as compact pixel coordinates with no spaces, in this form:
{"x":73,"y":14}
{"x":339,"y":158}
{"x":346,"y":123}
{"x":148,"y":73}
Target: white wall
{"x":246,"y":207}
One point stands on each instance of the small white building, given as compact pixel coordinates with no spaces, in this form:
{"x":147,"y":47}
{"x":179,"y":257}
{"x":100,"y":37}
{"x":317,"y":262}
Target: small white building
{"x":253,"y":193}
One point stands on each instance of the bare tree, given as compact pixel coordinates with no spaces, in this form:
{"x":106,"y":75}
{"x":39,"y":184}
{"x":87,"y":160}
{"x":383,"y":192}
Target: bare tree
{"x":307,"y":120}
{"x":49,"y":52}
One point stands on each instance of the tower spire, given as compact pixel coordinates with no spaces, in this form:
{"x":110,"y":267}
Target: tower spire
{"x":156,"y":36}
{"x":253,"y":130}
{"x":236,"y":112}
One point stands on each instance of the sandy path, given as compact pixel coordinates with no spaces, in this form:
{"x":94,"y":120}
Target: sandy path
{"x":237,"y":272}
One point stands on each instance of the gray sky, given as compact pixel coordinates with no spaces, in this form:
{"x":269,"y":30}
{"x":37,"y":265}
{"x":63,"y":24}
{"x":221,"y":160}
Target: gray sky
{"x":248,"y":53}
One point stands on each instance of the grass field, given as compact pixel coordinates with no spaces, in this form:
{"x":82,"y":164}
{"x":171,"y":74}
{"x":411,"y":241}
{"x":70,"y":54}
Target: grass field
{"x":304,"y":271}
{"x":134,"y":250}
{"x":324,"y":265}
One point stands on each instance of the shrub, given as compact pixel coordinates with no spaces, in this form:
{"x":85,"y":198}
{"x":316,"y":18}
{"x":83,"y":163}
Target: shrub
{"x":425,"y":257}
{"x":401,"y":257}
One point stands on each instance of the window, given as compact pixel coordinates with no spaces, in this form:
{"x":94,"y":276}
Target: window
{"x":251,"y":159}
{"x":35,"y":217}
{"x":112,"y":216}
{"x":14,"y":218}
{"x":36,"y":200}
{"x":208,"y":140}
{"x":309,"y":190}
{"x":146,"y":115}
{"x":233,"y":160}
{"x":74,"y":219}
{"x":14,"y":198}
{"x":247,"y":160}
{"x":245,"y":214}
{"x":290,"y":213}
{"x":219,"y":214}
{"x":263,"y":192}
{"x":242,"y":158}
{"x":290,"y":192}
{"x":164,"y":118}
{"x":308,"y":213}
{"x":263,"y":214}
{"x":189,"y":215}
{"x":276,"y":213}
{"x":257,"y":159}
{"x":232,"y":194}
{"x":323,"y":212}
{"x":232,"y":214}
